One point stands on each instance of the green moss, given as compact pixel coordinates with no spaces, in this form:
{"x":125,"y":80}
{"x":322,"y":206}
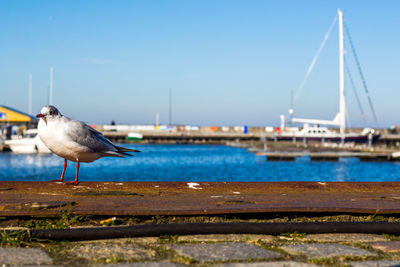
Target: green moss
{"x":294,"y":235}
{"x":164,"y":253}
{"x":15,"y":238}
{"x":111,"y":259}
{"x":377,"y":218}
{"x":391,"y":237}
{"x":339,"y":261}
{"x":168,"y":239}
{"x":66,"y":219}
{"x":159,"y":219}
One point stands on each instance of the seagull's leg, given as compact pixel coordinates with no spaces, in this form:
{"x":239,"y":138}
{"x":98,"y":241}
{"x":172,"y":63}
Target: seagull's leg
{"x":76,"y":177}
{"x":63,"y":172}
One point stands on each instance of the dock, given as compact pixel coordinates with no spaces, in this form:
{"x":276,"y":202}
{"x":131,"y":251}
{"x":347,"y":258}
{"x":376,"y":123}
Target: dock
{"x":169,"y":223}
{"x":330,"y":156}
{"x":186,"y":137}
{"x":201,"y":137}
{"x":283,"y":156}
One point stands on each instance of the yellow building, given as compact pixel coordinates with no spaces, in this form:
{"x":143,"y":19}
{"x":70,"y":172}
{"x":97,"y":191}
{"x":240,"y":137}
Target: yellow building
{"x":12,"y":116}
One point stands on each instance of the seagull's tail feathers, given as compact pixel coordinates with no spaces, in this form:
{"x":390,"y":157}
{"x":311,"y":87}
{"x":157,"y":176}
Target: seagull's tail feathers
{"x":121,"y":152}
{"x":123,"y":149}
{"x":114,"y":154}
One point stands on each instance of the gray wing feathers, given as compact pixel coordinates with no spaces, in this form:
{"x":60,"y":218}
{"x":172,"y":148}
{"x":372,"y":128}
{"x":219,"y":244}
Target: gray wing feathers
{"x":85,"y":135}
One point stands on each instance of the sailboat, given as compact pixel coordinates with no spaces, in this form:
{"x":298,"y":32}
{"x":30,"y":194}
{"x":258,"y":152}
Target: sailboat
{"x":30,"y":142}
{"x":312,"y":131}
{"x":27,"y":144}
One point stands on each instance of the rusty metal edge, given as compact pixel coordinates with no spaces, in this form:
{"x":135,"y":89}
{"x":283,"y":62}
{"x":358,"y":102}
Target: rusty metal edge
{"x":56,"y":213}
{"x":249,"y":188}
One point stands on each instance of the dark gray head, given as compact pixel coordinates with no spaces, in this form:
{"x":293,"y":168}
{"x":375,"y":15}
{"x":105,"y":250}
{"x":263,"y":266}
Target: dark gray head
{"x":48,"y":112}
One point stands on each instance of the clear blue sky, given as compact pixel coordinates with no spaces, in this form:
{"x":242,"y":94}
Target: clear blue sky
{"x":228,"y":62}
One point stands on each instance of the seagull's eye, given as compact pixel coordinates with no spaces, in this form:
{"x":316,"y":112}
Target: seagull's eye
{"x":51,"y":112}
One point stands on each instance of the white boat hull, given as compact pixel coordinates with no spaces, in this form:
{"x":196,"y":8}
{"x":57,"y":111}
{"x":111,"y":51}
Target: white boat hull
{"x":27,"y":146}
{"x":355,"y":138}
{"x":1,"y":144}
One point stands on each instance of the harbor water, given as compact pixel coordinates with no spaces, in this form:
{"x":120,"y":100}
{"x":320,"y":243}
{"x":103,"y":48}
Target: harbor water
{"x":194,"y":163}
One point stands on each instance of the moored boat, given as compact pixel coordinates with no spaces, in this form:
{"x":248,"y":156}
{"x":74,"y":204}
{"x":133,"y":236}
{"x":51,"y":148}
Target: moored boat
{"x":30,"y":143}
{"x":324,"y":134}
{"x":316,"y":132}
{"x":132,"y":136}
{"x":1,"y":143}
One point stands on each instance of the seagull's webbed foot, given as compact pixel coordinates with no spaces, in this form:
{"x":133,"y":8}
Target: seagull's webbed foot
{"x":76,"y":177}
{"x":63,"y":172}
{"x":58,"y":180}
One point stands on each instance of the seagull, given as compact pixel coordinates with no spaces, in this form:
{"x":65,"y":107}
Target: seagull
{"x":74,"y":140}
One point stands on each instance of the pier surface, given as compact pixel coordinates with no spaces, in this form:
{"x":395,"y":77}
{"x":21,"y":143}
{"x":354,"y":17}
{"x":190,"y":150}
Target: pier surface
{"x":203,"y":198}
{"x":42,"y":199}
{"x":220,"y":137}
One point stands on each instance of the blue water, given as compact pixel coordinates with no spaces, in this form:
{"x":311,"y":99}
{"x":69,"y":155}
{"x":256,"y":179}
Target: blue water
{"x":194,"y":163}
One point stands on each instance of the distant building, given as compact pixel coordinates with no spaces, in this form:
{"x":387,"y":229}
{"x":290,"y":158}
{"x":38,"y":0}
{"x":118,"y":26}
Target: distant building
{"x":12,"y":120}
{"x":12,"y":116}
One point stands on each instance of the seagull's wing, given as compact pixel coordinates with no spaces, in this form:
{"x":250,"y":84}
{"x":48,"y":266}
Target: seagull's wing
{"x":81,"y":134}
{"x":103,"y":139}
{"x":85,"y":135}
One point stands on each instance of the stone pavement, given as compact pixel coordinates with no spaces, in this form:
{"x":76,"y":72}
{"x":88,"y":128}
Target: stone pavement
{"x":289,"y":250}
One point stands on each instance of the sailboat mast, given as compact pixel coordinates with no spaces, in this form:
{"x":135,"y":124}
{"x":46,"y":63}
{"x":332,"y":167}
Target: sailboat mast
{"x":51,"y":87}
{"x":342,"y":99}
{"x":30,"y":95}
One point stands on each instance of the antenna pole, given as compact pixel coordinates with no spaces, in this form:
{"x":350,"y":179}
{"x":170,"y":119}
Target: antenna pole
{"x":51,"y":86}
{"x":30,"y":95}
{"x":342,"y":99}
{"x":291,"y":110}
{"x":170,"y":107}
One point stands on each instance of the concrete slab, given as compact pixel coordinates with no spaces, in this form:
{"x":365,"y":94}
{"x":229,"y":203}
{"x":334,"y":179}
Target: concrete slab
{"x":268,"y":264}
{"x":381,"y":263}
{"x":142,"y":264}
{"x":124,"y":250}
{"x":315,"y":250}
{"x":143,"y":240}
{"x":36,"y":266}
{"x":350,"y":238}
{"x":24,"y":256}
{"x":226,"y":238}
{"x":223,"y":251}
{"x":393,"y":246}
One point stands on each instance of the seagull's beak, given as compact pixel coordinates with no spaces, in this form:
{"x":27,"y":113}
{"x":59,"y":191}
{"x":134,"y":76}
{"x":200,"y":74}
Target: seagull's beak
{"x":40,"y":115}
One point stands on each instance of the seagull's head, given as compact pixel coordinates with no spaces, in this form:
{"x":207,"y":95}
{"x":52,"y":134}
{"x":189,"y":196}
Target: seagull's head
{"x":48,"y":113}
